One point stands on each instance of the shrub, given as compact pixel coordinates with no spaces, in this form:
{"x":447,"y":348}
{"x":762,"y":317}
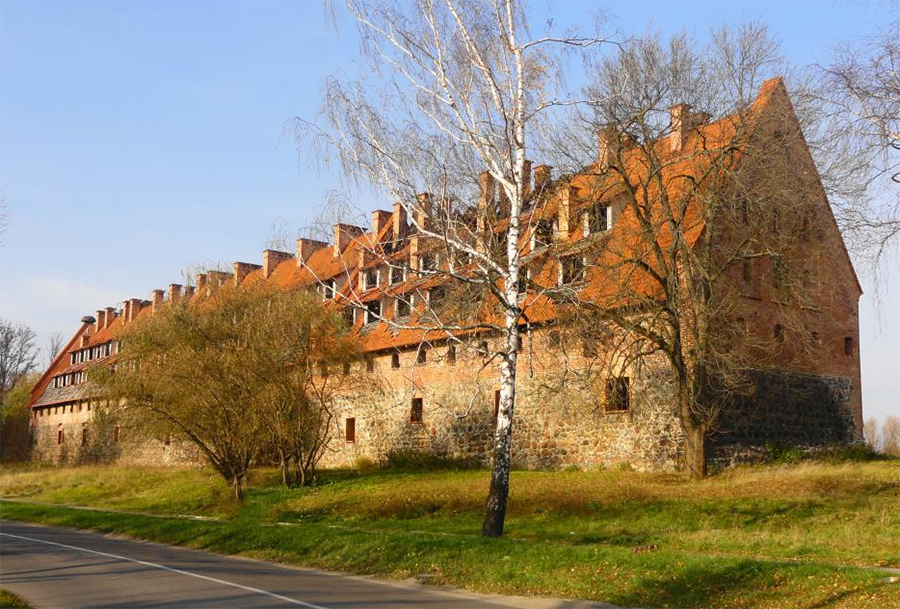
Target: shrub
{"x":777,"y":453}
{"x":423,"y":461}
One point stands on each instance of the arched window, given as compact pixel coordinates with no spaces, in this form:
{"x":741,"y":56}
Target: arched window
{"x":848,"y":346}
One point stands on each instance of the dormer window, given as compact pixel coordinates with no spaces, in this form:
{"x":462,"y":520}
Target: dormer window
{"x":428,"y":262}
{"x":371,"y":278}
{"x":597,"y":219}
{"x":373,"y":311}
{"x":543,"y":233}
{"x":401,"y":307}
{"x":571,"y":269}
{"x":328,"y":289}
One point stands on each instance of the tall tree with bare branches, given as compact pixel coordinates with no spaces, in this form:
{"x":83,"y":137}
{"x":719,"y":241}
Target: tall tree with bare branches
{"x":451,"y":89}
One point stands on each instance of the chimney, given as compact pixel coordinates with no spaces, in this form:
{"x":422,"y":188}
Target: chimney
{"x":217,"y":278}
{"x":680,"y":121}
{"x":399,"y":220}
{"x":174,"y":292}
{"x":306,"y":248}
{"x":343,"y":234}
{"x":607,"y":146}
{"x":101,"y":320}
{"x":485,"y":205}
{"x":157,"y":300}
{"x":271,"y":259}
{"x":422,"y":214}
{"x":380,"y":219}
{"x":542,"y":176}
{"x":188,"y":292}
{"x":566,"y":203}
{"x":526,"y":178}
{"x":110,"y":315}
{"x":202,"y":281}
{"x":242,"y":269}
{"x":131,"y":307}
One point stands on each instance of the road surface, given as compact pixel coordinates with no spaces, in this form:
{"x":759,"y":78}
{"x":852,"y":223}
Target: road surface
{"x":53,"y":568}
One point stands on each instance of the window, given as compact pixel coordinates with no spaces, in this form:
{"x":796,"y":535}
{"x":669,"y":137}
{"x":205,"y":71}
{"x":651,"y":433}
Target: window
{"x":848,"y":346}
{"x":816,"y":340}
{"x":617,"y":394}
{"x":555,"y":339}
{"x":571,"y":269}
{"x":350,"y":429}
{"x":396,"y":275}
{"x":346,"y":370}
{"x":779,"y":333}
{"x":522,"y":285}
{"x":496,"y":405}
{"x":421,"y":355}
{"x":451,"y":354}
{"x":747,"y":271}
{"x":116,"y":434}
{"x":373,"y":311}
{"x":395,"y":360}
{"x":323,"y":369}
{"x":402,"y":308}
{"x":59,"y":434}
{"x":328,"y":289}
{"x":428,"y":262}
{"x":597,"y":219}
{"x":348,"y":314}
{"x":415,"y":412}
{"x":483,"y":348}
{"x":436,"y":296}
{"x":84,"y":434}
{"x":371,"y":278}
{"x":370,"y":364}
{"x":779,"y":272}
{"x":543,"y":233}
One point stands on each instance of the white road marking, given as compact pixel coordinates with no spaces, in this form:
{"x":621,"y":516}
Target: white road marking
{"x":173,"y":570}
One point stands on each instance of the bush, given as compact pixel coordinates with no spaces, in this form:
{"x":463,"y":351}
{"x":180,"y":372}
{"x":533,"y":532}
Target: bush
{"x":851,"y":452}
{"x":422,"y":461}
{"x":777,"y":454}
{"x":364,"y":465}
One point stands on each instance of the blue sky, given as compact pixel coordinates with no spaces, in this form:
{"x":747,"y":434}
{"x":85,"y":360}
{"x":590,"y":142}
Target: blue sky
{"x":138,"y":138}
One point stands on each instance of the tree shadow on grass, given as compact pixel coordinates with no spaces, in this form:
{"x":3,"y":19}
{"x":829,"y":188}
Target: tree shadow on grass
{"x":718,"y":584}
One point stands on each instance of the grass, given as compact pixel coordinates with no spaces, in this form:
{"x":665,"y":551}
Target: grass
{"x":8,"y":600}
{"x":788,"y":536}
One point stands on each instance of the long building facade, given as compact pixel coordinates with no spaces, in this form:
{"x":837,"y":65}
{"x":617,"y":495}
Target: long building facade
{"x":433,"y":392}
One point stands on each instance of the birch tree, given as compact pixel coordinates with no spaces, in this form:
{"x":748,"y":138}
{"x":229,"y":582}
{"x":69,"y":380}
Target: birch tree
{"x":450,"y":90}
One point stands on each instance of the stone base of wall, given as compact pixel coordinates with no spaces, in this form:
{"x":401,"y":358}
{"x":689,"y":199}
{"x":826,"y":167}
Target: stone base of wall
{"x":559,"y":422}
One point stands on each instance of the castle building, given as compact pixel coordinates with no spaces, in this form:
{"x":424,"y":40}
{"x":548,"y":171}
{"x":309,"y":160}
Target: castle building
{"x":580,"y":400}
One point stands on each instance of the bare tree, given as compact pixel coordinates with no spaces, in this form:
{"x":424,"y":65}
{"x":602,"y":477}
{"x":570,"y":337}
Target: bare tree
{"x":872,"y":434}
{"x":856,"y":136}
{"x":18,"y":354}
{"x":890,"y":436}
{"x":709,"y":219}
{"x":452,"y":90}
{"x":52,"y":348}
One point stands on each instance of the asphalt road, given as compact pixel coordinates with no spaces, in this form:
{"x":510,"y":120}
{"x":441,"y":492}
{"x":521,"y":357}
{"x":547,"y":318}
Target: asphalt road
{"x":53,"y":567}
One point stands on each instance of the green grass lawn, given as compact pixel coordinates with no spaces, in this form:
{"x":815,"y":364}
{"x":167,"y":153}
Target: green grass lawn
{"x":8,"y":600}
{"x":774,"y":536}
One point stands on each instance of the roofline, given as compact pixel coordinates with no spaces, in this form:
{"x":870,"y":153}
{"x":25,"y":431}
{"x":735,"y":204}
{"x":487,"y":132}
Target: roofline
{"x":42,"y":382}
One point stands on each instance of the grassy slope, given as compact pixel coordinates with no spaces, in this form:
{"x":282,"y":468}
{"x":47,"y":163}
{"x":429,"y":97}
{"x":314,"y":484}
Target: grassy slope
{"x":731,"y":541}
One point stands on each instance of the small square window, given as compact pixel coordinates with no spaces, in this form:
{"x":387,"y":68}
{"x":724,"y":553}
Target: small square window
{"x":422,"y":355}
{"x":350,"y":429}
{"x":415,"y":411}
{"x":395,"y":360}
{"x":370,"y":364}
{"x":451,"y":354}
{"x":571,"y":269}
{"x":328,"y":289}
{"x":617,"y":398}
{"x":346,"y":368}
{"x":597,"y":218}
